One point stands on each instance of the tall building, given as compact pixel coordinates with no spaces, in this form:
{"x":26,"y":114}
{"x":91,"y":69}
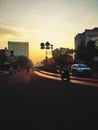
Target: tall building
{"x":19,"y":48}
{"x":79,"y":37}
{"x":86,"y":36}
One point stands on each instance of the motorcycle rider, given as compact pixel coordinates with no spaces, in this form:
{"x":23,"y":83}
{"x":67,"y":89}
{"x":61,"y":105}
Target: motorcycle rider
{"x":65,"y":73}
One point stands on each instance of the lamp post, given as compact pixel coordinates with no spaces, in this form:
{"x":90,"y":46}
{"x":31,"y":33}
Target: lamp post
{"x":47,"y":46}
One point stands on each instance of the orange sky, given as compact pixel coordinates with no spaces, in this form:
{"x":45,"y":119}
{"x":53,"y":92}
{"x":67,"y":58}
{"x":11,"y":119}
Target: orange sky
{"x":36,"y":21}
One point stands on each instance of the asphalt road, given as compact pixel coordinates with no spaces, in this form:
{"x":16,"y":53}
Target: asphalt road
{"x":30,"y":101}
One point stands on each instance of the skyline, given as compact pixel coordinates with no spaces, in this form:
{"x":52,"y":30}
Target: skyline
{"x":55,"y":21}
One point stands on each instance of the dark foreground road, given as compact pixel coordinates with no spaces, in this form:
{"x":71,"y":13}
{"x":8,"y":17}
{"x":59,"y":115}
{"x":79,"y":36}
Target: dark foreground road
{"x":29,"y":101}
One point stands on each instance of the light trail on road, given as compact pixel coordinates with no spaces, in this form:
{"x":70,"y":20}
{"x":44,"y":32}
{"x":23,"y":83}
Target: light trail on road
{"x":73,"y":80}
{"x":53,"y":74}
{"x":46,"y":76}
{"x":72,"y":77}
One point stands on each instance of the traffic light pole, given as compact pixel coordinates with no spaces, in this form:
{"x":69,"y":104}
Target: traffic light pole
{"x":46,"y":46}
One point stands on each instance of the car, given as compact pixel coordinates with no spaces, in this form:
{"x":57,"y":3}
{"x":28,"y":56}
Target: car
{"x":80,"y":69}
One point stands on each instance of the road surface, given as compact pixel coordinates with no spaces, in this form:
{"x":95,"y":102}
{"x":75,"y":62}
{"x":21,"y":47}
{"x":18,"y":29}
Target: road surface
{"x":32,"y":101}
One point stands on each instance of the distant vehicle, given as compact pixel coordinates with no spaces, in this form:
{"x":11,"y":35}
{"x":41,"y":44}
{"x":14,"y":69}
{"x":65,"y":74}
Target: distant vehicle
{"x":80,"y":69}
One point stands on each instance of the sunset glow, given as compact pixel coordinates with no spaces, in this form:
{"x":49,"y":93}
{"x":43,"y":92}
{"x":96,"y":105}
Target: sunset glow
{"x":36,"y":21}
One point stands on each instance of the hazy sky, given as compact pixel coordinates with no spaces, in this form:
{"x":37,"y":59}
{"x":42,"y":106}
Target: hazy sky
{"x":36,"y":21}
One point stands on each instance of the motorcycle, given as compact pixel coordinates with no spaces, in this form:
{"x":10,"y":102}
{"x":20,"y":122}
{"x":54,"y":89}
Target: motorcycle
{"x":65,"y":75}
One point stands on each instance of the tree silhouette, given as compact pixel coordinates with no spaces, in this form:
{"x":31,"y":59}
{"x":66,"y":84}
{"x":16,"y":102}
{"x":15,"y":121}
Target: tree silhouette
{"x":87,"y":54}
{"x":92,"y":50}
{"x":61,"y":55}
{"x":23,"y":61}
{"x":81,"y":51}
{"x":3,"y":57}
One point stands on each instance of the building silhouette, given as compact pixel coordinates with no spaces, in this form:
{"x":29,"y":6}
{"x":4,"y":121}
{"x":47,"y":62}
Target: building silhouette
{"x":87,"y":35}
{"x":19,"y":48}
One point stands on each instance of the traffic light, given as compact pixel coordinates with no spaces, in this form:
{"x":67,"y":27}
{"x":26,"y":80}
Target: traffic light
{"x":47,"y":45}
{"x":42,"y":45}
